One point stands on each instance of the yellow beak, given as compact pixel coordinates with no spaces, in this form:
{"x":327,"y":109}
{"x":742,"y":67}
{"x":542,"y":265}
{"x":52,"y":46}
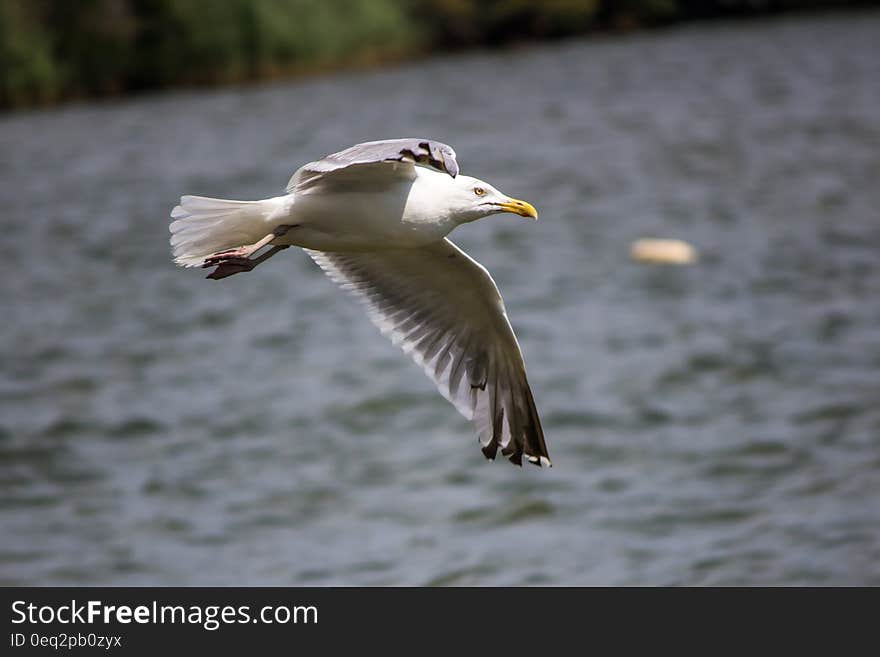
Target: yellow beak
{"x":522,"y":208}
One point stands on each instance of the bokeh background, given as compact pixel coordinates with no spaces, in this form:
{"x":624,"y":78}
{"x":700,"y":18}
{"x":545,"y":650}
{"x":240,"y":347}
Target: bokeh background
{"x":717,"y":423}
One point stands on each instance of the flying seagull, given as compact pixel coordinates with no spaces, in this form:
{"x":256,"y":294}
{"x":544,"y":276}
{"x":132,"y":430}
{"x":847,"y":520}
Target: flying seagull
{"x":375,"y":218}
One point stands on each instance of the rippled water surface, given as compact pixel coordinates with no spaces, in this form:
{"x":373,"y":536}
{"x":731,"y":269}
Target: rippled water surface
{"x":713,"y":424}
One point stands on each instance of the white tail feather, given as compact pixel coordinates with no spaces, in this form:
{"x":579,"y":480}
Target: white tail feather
{"x":203,"y":226}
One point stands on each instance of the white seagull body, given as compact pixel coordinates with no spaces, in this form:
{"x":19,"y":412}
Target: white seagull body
{"x":375,"y":217}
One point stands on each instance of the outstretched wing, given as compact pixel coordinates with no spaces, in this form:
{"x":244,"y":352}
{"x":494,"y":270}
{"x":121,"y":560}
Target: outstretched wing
{"x":374,"y":159}
{"x":444,"y":310}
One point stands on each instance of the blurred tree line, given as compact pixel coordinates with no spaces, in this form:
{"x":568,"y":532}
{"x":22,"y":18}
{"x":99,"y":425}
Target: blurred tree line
{"x":57,"y":49}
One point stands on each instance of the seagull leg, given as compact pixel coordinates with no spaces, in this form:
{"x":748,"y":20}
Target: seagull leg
{"x":237,"y":265}
{"x":238,"y":260}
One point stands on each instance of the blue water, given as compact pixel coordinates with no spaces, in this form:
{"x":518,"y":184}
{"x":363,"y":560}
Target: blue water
{"x":711,"y":424}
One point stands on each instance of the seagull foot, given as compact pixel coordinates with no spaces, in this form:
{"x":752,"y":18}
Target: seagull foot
{"x":232,"y":261}
{"x":247,"y":250}
{"x":227,"y":266}
{"x":229,"y":254}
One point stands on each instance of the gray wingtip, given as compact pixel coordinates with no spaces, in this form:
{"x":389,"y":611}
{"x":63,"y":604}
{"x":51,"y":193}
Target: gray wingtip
{"x":431,"y":153}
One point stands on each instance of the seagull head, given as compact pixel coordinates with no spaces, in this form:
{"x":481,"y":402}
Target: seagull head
{"x":474,"y":199}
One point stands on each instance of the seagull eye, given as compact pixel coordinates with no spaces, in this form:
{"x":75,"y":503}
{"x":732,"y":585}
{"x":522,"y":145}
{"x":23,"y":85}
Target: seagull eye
{"x":479,"y":191}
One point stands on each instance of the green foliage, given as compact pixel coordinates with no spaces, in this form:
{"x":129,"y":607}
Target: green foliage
{"x":472,"y":22}
{"x":58,"y":48}
{"x":54,"y":49}
{"x":28,"y":72}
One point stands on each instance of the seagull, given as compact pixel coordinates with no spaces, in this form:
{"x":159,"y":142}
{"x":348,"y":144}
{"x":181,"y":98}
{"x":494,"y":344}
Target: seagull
{"x":375,"y":218}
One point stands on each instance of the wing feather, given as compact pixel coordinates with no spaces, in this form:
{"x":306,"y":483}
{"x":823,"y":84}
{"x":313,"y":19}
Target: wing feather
{"x":374,"y":163}
{"x":444,"y":310}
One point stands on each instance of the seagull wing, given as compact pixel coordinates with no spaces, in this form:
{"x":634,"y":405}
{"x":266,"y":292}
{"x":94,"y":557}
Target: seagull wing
{"x":444,"y":310}
{"x":373,"y":161}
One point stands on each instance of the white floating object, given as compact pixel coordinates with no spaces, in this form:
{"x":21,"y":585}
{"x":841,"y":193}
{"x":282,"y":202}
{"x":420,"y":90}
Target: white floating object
{"x":663,"y":252}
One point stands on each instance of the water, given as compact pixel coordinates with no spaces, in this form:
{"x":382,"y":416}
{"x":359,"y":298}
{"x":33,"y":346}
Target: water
{"x":714,"y":424}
